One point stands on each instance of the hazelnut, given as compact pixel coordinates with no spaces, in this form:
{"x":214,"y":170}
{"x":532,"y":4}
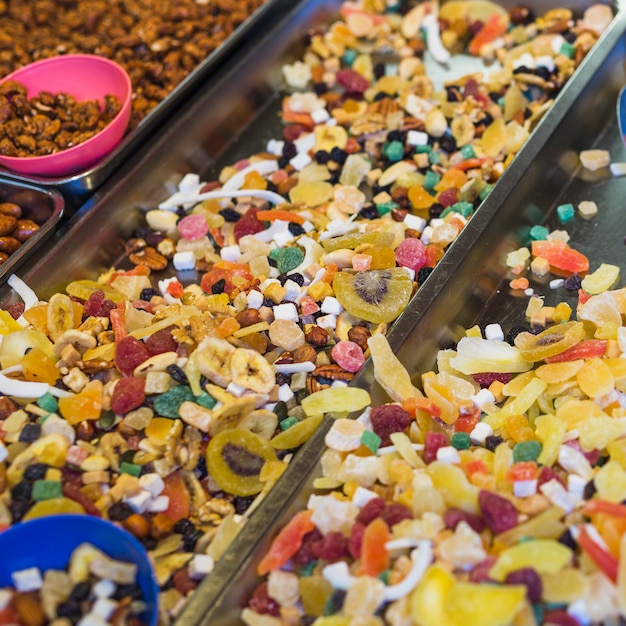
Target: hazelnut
{"x":248,"y":317}
{"x":304,"y":353}
{"x":84,"y":431}
{"x":317,"y":336}
{"x":359,"y":335}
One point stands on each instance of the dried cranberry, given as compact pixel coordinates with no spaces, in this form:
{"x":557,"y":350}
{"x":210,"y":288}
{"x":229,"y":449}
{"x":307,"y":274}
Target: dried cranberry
{"x":211,"y":186}
{"x":293,"y":131}
{"x":99,"y":306}
{"x":352,"y":81}
{"x":546,"y":474}
{"x":248,"y":224}
{"x":453,"y":516}
{"x":371,"y":511}
{"x":161,"y":341}
{"x":183,"y":583}
{"x":560,"y":618}
{"x":332,"y":547}
{"x":480,"y":573}
{"x":484,"y":379}
{"x":261,"y":602}
{"x":388,"y":419}
{"x":356,"y":540}
{"x":305,"y":554}
{"x":499,"y":514}
{"x":128,"y":394}
{"x":432,"y":443}
{"x":129,"y":353}
{"x":448,"y":197}
{"x":528,"y":577}
{"x":394,"y":513}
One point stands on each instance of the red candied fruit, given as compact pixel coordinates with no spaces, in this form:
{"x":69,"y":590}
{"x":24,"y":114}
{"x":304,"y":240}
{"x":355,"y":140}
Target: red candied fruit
{"x":593,"y":457}
{"x":370,"y":511}
{"x":432,"y":443}
{"x":411,"y":253}
{"x":348,"y":355}
{"x":352,"y":81}
{"x":528,"y":577}
{"x":161,"y":341}
{"x":99,"y":306}
{"x":356,"y":540}
{"x":128,"y":394}
{"x":388,"y":419}
{"x":395,"y":513}
{"x":480,"y":573}
{"x":261,"y":602}
{"x":332,"y":547}
{"x":560,"y":618}
{"x":129,"y":353}
{"x":193,"y":227}
{"x":183,"y":583}
{"x":248,"y":224}
{"x":454,"y":516}
{"x":484,"y":379}
{"x":292,"y":131}
{"x":499,"y":514}
{"x":16,"y":310}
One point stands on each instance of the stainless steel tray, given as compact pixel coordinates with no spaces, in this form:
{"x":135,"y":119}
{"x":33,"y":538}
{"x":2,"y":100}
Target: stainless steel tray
{"x":470,"y":285}
{"x":242,"y":104}
{"x":44,"y":206}
{"x":77,"y":188}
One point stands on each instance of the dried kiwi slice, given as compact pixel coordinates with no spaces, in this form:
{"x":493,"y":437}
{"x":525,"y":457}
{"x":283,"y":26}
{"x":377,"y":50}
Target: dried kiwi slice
{"x":235,"y":458}
{"x":352,"y":241}
{"x":550,"y":342}
{"x":377,"y":296}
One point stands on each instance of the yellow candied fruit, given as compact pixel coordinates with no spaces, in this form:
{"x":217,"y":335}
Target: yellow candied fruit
{"x":518,"y":428}
{"x":320,"y":290}
{"x":595,"y":378}
{"x":37,"y":366}
{"x":611,"y":482}
{"x":254,"y":180}
{"x":562,"y":313}
{"x":617,"y":452}
{"x":54,"y":506}
{"x":517,"y":257}
{"x":158,"y":430}
{"x":539,"y":266}
{"x":601,"y":280}
{"x":474,"y":331}
{"x":544,"y":555}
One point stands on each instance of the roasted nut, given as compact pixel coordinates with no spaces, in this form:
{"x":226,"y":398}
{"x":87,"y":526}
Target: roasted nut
{"x":7,"y":224}
{"x":4,"y":257}
{"x":135,"y":245}
{"x":247,"y":317}
{"x":7,"y":406}
{"x":150,"y":258}
{"x":12,"y":209}
{"x":359,"y":335}
{"x":25,"y":230}
{"x":9,"y":244}
{"x":84,"y":431}
{"x":304,"y":353}
{"x":317,"y":336}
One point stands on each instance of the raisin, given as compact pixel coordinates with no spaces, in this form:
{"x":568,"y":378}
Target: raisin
{"x":36,"y":471}
{"x":177,"y":374}
{"x":22,"y":491}
{"x":389,"y":419}
{"x":499,"y":514}
{"x":30,"y":433}
{"x":492,"y":442}
{"x":230,"y":215}
{"x":352,"y":81}
{"x":546,"y":474}
{"x":80,"y":592}
{"x":119,"y":511}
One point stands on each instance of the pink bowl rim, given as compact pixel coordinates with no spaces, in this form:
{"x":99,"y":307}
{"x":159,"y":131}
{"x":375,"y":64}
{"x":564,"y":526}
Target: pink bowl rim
{"x":62,"y":58}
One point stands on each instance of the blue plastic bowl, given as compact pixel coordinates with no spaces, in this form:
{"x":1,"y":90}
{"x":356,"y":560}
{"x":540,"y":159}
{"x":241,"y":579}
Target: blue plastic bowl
{"x":48,"y":542}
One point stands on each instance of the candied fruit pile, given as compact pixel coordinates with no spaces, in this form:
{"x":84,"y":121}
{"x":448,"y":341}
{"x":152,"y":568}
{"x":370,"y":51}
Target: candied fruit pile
{"x":494,"y":497}
{"x":168,"y":394}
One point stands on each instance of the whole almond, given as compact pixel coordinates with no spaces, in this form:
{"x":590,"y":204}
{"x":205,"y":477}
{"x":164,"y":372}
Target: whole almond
{"x":7,"y":224}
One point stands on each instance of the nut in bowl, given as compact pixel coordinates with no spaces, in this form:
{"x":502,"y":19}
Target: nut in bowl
{"x":73,"y":566}
{"x":58,"y":129}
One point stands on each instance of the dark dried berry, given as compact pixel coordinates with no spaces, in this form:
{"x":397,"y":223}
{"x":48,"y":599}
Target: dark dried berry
{"x":119,"y":511}
{"x":242,"y":504}
{"x":18,"y":508}
{"x":127,"y":591}
{"x":230,"y":215}
{"x":190,"y":539}
{"x":80,"y":592}
{"x":183,"y":526}
{"x":573,"y":283}
{"x":423,"y":274}
{"x":453,"y":516}
{"x":322,"y":157}
{"x":447,"y":143}
{"x":289,"y":150}
{"x":338,"y":155}
{"x":589,"y":490}
{"x":148,"y":293}
{"x":36,"y":471}
{"x":546,"y":474}
{"x":560,"y":618}
{"x":218,"y":286}
{"x":388,"y":419}
{"x":514,"y":332}
{"x":492,"y":442}
{"x":369,"y":212}
{"x":22,"y":491}
{"x":435,"y":210}
{"x":30,"y":433}
{"x":70,"y":610}
{"x":528,"y":577}
{"x":296,"y":229}
{"x":177,"y":374}
{"x":499,"y":514}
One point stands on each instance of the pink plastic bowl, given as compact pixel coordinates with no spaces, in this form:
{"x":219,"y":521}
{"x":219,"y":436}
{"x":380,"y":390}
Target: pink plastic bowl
{"x":86,"y":77}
